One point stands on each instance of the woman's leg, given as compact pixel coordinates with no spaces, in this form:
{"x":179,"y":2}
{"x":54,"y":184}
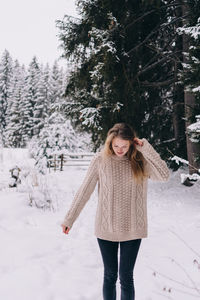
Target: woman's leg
{"x":128,"y":255}
{"x":109,"y":251}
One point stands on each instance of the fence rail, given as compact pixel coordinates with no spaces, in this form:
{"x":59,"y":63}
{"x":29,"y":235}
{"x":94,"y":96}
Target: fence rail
{"x":58,"y":161}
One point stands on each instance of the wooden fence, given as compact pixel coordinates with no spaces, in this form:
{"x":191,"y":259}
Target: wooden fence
{"x":57,"y":162}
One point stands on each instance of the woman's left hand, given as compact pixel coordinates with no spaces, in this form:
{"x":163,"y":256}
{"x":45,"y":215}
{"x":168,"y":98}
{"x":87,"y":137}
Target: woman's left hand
{"x":138,"y":142}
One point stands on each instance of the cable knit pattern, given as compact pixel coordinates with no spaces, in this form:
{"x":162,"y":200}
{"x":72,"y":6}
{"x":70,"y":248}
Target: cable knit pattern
{"x":121,"y":213}
{"x":139,"y":208}
{"x":104,"y":216}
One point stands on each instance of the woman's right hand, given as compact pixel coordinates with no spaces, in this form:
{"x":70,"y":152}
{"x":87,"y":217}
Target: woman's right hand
{"x":138,"y":142}
{"x":65,"y":229}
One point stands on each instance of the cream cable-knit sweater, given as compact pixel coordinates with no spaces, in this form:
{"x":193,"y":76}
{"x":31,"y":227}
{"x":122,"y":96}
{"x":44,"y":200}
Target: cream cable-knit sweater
{"x":121,"y":213}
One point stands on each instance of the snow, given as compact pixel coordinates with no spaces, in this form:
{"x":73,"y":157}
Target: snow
{"x":193,"y":31}
{"x":179,"y":159}
{"x":39,"y":262}
{"x":194,"y":131}
{"x":195,"y":127}
{"x":90,"y":116}
{"x":196,"y":89}
{"x":102,"y":36}
{"x":194,"y":177}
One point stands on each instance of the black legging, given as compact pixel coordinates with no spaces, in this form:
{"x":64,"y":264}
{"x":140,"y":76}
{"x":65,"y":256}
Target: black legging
{"x":128,"y":254}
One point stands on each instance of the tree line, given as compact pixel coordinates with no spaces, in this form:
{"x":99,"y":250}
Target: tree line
{"x":28,"y":98}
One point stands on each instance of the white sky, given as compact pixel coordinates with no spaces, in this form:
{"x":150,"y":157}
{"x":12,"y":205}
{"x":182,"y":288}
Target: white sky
{"x":27,"y":28}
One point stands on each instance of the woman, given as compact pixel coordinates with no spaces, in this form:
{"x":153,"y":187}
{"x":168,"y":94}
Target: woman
{"x":122,"y":169}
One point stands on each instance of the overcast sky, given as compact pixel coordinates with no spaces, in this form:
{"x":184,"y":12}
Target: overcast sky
{"x":27,"y":28}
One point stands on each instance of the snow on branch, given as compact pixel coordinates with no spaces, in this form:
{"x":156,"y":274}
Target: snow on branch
{"x":179,"y":159}
{"x":186,"y":179}
{"x":90,"y":117}
{"x":102,"y":37}
{"x":196,"y":89}
{"x":194,"y":131}
{"x":193,"y":177}
{"x":193,"y":31}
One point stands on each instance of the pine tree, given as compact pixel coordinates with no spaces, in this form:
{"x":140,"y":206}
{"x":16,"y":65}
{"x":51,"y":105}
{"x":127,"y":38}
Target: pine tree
{"x":40,"y":112}
{"x":123,"y":51}
{"x":57,"y":89}
{"x":5,"y":88}
{"x":13,"y":134}
{"x":30,"y":99}
{"x":47,"y":88}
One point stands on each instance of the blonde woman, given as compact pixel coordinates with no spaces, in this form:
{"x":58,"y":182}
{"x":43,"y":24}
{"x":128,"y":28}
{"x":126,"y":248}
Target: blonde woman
{"x":122,"y":169}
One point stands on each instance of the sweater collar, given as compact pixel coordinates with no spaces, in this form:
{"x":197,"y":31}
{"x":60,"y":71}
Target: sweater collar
{"x":115,"y":157}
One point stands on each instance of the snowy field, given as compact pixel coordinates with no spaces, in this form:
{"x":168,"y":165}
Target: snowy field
{"x":39,"y":262}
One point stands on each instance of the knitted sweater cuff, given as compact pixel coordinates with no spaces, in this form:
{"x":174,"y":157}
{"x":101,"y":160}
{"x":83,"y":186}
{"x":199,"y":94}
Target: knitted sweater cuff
{"x":145,"y":147}
{"x":158,"y":167}
{"x":67,"y":223}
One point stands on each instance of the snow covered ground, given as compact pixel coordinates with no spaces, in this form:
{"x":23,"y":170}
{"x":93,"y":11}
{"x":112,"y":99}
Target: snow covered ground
{"x":39,"y":262}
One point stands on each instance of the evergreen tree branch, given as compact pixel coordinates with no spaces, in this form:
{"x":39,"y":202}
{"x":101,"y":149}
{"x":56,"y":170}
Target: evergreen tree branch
{"x":160,"y":52}
{"x":139,"y":19}
{"x":157,"y":28}
{"x":154,"y":65}
{"x":188,"y":165}
{"x":157,"y":84}
{"x":177,"y":5}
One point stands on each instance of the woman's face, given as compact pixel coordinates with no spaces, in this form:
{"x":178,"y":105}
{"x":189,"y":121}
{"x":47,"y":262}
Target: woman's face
{"x":120,"y":146}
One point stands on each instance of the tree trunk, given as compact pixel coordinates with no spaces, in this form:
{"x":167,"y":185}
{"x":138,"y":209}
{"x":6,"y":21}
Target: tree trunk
{"x":193,"y":149}
{"x":178,"y":94}
{"x":178,"y":117}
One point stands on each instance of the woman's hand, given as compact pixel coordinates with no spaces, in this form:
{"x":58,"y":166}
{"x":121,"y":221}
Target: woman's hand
{"x":65,"y":229}
{"x":138,"y":142}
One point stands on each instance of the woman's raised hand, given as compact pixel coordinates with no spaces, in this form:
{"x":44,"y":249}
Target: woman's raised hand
{"x":138,"y":141}
{"x":65,"y":229}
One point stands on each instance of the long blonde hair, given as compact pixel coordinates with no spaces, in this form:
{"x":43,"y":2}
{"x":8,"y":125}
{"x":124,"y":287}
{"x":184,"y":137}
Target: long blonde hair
{"x":126,"y":132}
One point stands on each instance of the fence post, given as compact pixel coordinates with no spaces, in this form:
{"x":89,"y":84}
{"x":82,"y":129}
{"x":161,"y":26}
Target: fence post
{"x":49,"y":166}
{"x":54,"y":162}
{"x":61,"y":162}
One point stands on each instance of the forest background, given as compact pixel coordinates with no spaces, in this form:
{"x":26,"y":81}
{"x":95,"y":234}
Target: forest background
{"x":127,"y":61}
